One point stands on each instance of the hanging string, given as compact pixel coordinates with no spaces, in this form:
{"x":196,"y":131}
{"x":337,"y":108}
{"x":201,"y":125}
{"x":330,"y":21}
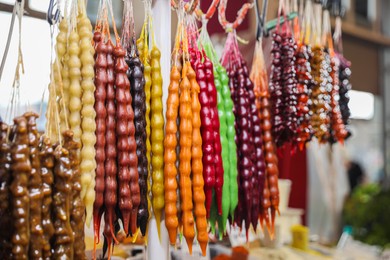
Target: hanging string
{"x":125,"y":37}
{"x":117,"y":38}
{"x":327,"y":37}
{"x":337,"y":35}
{"x":317,"y":18}
{"x":13,"y":106}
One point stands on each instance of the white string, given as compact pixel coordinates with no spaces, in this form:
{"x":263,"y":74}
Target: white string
{"x":13,"y":106}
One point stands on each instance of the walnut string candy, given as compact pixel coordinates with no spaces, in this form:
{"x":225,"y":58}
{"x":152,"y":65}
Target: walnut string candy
{"x":62,"y":64}
{"x":258,"y":77}
{"x":157,"y":135}
{"x":197,"y":165}
{"x":135,"y":75}
{"x":276,"y":91}
{"x":245,"y":142}
{"x":144,"y":56}
{"x":305,"y":82}
{"x":344,"y":87}
{"x":21,"y":168}
{"x":75,"y":91}
{"x":289,"y":84}
{"x":101,"y":79}
{"x":47,"y":164}
{"x":62,"y":195}
{"x":110,"y":189}
{"x":129,"y":198}
{"x":88,"y":114}
{"x":5,"y":203}
{"x":35,"y":193}
{"x":319,"y":95}
{"x":77,"y":206}
{"x":170,"y":168}
{"x":338,"y":130}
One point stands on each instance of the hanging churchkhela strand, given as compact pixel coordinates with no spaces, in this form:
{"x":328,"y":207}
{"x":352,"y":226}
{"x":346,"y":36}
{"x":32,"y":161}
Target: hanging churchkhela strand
{"x":137,"y":82}
{"x":227,"y":131}
{"x":305,"y":82}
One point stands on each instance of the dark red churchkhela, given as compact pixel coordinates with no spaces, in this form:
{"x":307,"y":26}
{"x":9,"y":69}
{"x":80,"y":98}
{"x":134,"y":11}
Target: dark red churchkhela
{"x":101,"y":114}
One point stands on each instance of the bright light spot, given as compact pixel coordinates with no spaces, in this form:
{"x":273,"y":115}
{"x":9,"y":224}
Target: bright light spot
{"x":361,"y":105}
{"x":39,"y":5}
{"x":10,"y":2}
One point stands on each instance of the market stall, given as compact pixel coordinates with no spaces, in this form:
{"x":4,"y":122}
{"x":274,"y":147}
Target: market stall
{"x":170,"y":151}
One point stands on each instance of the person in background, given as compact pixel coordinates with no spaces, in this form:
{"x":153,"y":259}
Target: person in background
{"x":355,"y":175}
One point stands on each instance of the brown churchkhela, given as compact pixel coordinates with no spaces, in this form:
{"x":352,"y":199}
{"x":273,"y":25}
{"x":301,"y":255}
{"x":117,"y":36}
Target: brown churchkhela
{"x":21,"y":169}
{"x":5,"y":207}
{"x":62,"y":194}
{"x":47,"y":163}
{"x":35,"y":189}
{"x":110,"y":191}
{"x":129,"y":194}
{"x":77,"y":207}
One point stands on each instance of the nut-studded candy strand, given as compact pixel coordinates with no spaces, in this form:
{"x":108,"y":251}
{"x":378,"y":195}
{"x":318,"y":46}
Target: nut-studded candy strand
{"x":170,"y":144}
{"x":35,"y":188}
{"x":304,"y":85}
{"x":271,"y":190}
{"x":258,"y":155}
{"x":206,"y":131}
{"x":137,"y":82}
{"x":5,"y":203}
{"x":197,"y":165}
{"x":122,"y":131}
{"x":46,"y":156}
{"x":61,"y":69}
{"x":185,"y":128}
{"x":75,"y":90}
{"x":257,"y":77}
{"x":245,"y":140}
{"x":219,"y":171}
{"x":337,"y":124}
{"x":101,"y":80}
{"x":88,"y":113}
{"x":142,"y":45}
{"x":344,"y":87}
{"x":127,"y":158}
{"x":62,"y":195}
{"x":289,"y":83}
{"x":157,"y":136}
{"x":222,"y":220}
{"x":319,"y":95}
{"x":231,"y":134}
{"x":238,"y":214}
{"x":110,"y":166}
{"x":77,"y":206}
{"x":222,"y":115}
{"x":21,"y":169}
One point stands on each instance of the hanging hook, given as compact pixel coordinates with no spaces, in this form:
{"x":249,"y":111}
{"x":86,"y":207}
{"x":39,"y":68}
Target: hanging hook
{"x":53,"y":18}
